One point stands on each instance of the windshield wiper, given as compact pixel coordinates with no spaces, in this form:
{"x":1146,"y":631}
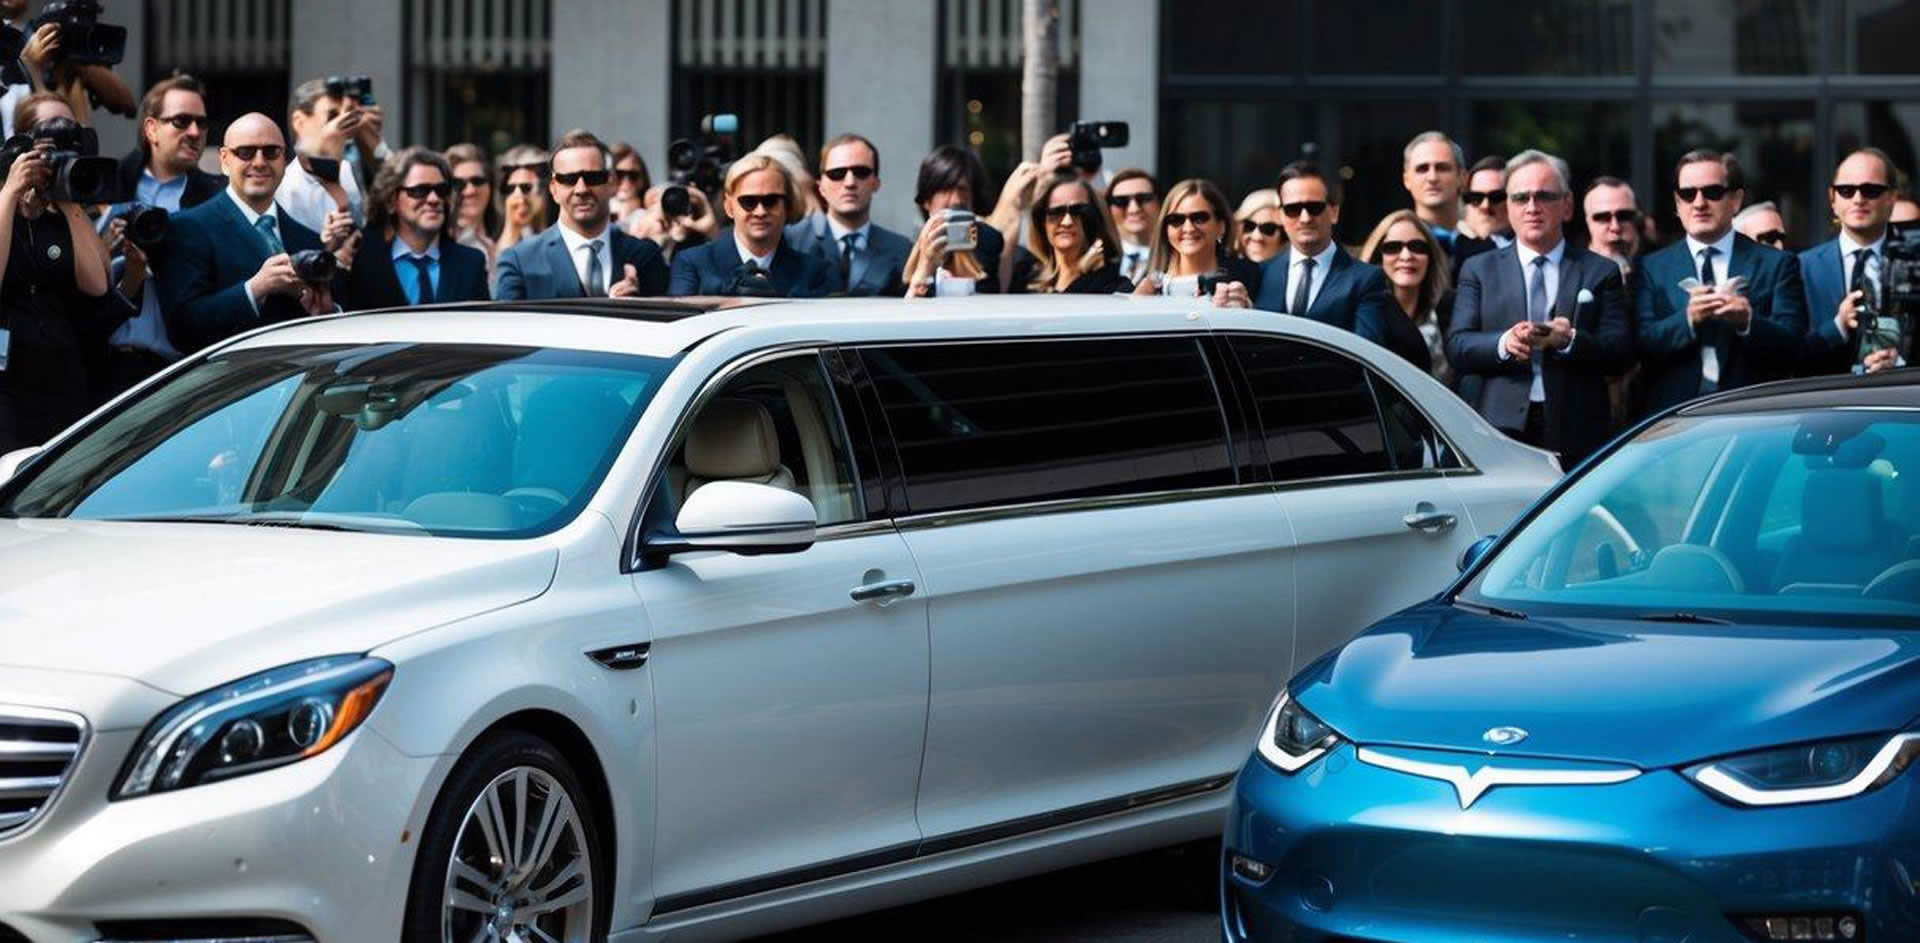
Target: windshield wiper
{"x":245,"y":520}
{"x":1492,"y":610}
{"x":1690,"y":618}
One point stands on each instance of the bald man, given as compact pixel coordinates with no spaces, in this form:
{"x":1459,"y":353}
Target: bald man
{"x":228,"y":265}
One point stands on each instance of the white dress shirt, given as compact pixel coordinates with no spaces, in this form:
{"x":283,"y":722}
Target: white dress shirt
{"x":1320,"y":264}
{"x":307,"y":202}
{"x":1133,"y":259}
{"x":1848,"y":247}
{"x":577,"y":251}
{"x":253,"y":222}
{"x":1722,"y":258}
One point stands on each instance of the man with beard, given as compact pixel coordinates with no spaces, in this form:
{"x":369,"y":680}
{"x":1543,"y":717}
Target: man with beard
{"x":583,"y":256}
{"x":405,"y":261}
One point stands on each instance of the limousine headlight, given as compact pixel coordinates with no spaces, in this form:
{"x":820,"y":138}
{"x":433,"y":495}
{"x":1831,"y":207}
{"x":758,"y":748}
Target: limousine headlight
{"x":1816,"y":772}
{"x":1293,"y":737}
{"x":271,"y":719}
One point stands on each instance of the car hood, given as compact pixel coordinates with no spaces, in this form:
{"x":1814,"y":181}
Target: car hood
{"x":184,"y":607}
{"x":1652,"y":695}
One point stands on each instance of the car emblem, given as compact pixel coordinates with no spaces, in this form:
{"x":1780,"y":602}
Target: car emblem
{"x":1470,"y":785}
{"x":1504,"y":736}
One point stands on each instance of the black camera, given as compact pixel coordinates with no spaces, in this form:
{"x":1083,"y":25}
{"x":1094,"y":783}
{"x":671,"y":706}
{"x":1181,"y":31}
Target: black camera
{"x":1889,"y":320}
{"x":147,"y":226}
{"x":701,"y":161}
{"x":1208,"y":281}
{"x":314,"y":266}
{"x":1088,"y":137}
{"x":80,"y":175}
{"x":356,"y":87}
{"x":84,"y":40}
{"x":751,"y":281}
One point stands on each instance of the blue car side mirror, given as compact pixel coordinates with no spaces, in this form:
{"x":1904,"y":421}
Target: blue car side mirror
{"x":1476,"y":550}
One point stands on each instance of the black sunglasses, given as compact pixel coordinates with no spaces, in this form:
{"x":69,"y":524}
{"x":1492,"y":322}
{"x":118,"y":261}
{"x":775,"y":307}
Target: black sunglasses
{"x":627,"y":174}
{"x":1774,"y":237}
{"x":1871,"y":191}
{"x":1123,"y":200}
{"x":246,"y":152}
{"x":471,"y":183}
{"x":1313,"y":208}
{"x":594,"y":178}
{"x":1265,"y":229}
{"x":1489,"y":197}
{"x":521,"y":187}
{"x":1395,"y":246}
{"x":1177,"y":220}
{"x":183,"y":122}
{"x":749,"y":202}
{"x":1525,"y":197}
{"x":1624,"y":216}
{"x":837,"y":174}
{"x":1057,"y":213}
{"x":421,"y":191}
{"x":1714,"y":192}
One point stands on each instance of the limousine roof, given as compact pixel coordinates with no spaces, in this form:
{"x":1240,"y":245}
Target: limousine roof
{"x":665,"y":327}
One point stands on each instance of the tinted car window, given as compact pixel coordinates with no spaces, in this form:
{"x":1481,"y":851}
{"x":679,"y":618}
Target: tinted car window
{"x":979,"y":424}
{"x":1316,"y":410}
{"x":1412,"y":441}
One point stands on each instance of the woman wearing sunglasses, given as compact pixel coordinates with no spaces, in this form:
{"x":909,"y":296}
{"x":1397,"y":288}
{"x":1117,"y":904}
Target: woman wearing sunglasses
{"x":1073,"y":238}
{"x":1258,"y":220}
{"x":751,"y":258}
{"x":523,"y":195}
{"x":1416,"y":270}
{"x":475,"y":218}
{"x":631,"y":181}
{"x":1190,"y":245}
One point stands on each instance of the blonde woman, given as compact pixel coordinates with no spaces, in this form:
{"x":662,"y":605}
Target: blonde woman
{"x":1190,"y":244}
{"x":1262,"y":235}
{"x":1073,"y":238}
{"x":751,"y":257}
{"x":1416,"y":268}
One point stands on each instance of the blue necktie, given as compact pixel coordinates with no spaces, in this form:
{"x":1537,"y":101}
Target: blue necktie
{"x":1537,"y":313}
{"x":423,"y":282}
{"x":270,"y":233}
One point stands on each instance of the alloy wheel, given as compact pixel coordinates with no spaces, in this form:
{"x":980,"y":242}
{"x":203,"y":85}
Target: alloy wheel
{"x":521,"y":869}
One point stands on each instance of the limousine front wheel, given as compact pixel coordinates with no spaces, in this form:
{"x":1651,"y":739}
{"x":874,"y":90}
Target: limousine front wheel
{"x":512,"y":852}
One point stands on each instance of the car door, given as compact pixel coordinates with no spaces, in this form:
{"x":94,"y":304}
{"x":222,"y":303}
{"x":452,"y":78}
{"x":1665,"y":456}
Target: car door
{"x":1111,"y":594}
{"x":790,"y":690}
{"x":1362,"y":474}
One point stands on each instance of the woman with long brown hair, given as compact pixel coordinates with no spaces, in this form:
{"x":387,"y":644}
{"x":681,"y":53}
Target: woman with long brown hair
{"x":1073,"y":238}
{"x":1190,"y":242}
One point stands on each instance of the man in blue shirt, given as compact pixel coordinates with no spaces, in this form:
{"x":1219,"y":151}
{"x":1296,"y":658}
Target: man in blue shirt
{"x":405,"y":260}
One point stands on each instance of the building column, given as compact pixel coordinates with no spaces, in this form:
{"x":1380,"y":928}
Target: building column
{"x":882,"y":57}
{"x":353,"y":37}
{"x":1120,"y":76}
{"x":613,"y":73}
{"x":120,"y":135}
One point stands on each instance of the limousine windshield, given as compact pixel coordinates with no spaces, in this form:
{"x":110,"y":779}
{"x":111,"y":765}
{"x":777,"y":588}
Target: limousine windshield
{"x":462,"y":440}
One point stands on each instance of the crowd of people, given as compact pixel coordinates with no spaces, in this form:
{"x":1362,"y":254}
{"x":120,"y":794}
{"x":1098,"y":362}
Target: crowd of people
{"x":1557,"y":330}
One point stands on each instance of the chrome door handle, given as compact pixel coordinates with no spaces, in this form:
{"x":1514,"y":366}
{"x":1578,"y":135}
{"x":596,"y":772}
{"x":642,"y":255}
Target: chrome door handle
{"x":886,"y":593}
{"x":1428,"y":518}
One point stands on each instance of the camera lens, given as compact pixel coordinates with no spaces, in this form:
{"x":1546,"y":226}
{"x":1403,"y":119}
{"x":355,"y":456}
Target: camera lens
{"x":675,"y":201}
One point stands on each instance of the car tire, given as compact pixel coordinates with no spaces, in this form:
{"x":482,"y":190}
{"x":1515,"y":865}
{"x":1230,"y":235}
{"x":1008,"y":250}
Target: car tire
{"x":512,"y":840}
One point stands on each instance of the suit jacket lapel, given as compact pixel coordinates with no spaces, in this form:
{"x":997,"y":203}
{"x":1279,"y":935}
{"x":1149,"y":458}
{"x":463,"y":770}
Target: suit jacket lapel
{"x":566,"y":278}
{"x":787,"y":266}
{"x":1565,"y":302}
{"x":1336,"y":274}
{"x":1741,"y":260}
{"x":239,"y":222}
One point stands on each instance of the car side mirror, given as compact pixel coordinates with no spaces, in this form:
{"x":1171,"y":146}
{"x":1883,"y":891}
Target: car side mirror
{"x":1476,"y":550}
{"x":740,"y":517}
{"x":11,"y":462}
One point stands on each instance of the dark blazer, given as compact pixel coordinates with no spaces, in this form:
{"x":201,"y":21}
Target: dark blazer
{"x":1464,"y":248}
{"x":1353,"y":296}
{"x":374,"y":283}
{"x":1825,"y":276}
{"x":711,"y":269}
{"x":1025,"y":265}
{"x":880,"y":271}
{"x":211,"y":252}
{"x":201,"y":186}
{"x":1669,"y":349}
{"x":539,"y":268}
{"x":1492,"y":297}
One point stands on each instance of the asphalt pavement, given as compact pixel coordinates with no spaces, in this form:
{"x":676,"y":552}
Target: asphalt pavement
{"x":1164,"y":896}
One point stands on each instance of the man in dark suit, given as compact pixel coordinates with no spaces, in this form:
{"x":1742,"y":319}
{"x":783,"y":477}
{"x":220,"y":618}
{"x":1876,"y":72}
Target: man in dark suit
{"x":753,"y":257}
{"x":1315,"y":278}
{"x":1843,"y":273}
{"x":1541,"y":324}
{"x":866,"y":259}
{"x":1713,"y":335}
{"x":582,"y":256}
{"x":228,"y":265}
{"x":406,"y":260}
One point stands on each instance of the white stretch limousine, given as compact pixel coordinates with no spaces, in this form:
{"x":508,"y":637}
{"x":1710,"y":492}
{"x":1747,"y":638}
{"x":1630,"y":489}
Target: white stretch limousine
{"x":561,"y":621}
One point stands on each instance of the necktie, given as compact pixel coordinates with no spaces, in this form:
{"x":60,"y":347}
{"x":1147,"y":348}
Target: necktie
{"x":1302,"y":291}
{"x":1706,"y":265}
{"x":1713,"y":336}
{"x":1136,"y":260}
{"x":596,"y":286}
{"x":1862,"y":258}
{"x":1537,"y":313}
{"x":270,"y":233}
{"x":423,"y":281}
{"x":849,"y":244}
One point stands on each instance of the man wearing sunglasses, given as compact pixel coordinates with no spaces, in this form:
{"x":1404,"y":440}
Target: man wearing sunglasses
{"x":1539,"y":326}
{"x":866,"y":259}
{"x":1843,"y":273}
{"x":1613,"y":222}
{"x":228,"y":266}
{"x":1763,"y":223}
{"x":1315,"y":278}
{"x":584,"y":255}
{"x":1716,"y":310}
{"x":407,"y":259}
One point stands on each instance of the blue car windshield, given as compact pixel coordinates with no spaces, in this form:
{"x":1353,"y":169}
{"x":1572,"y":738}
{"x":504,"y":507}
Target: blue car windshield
{"x":1800,"y":518}
{"x":457,"y":440}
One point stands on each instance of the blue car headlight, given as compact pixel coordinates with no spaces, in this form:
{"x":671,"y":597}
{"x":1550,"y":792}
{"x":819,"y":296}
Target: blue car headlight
{"x":257,"y":723}
{"x":1293,"y":737}
{"x":1809,"y":772}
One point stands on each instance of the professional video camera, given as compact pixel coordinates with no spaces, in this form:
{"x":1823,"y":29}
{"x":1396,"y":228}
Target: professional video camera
{"x":147,"y":226}
{"x":80,"y":175}
{"x":84,"y":40}
{"x":314,"y":266}
{"x":1889,"y":320}
{"x":700,"y":161}
{"x":356,"y":87}
{"x":1086,"y":138}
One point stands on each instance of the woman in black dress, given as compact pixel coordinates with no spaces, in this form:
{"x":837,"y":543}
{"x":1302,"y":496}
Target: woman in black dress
{"x":1416,"y":268}
{"x":1190,"y":241}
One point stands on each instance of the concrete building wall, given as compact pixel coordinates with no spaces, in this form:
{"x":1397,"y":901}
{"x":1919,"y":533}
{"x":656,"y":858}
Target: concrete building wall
{"x":359,"y":37}
{"x":882,"y":57}
{"x":613,"y":72}
{"x":1120,"y":74}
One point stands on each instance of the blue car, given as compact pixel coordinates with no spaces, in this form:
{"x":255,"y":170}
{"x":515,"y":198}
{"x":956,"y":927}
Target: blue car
{"x":1676,"y":703}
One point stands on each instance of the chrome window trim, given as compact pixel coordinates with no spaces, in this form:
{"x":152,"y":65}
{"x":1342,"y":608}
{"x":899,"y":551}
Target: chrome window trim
{"x":66,"y":775}
{"x":997,"y":512}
